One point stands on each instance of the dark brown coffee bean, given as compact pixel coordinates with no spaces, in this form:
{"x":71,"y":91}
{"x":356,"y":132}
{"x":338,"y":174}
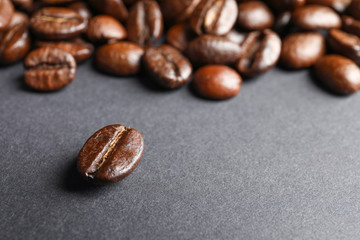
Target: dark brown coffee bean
{"x":210,"y":49}
{"x":217,"y":82}
{"x":19,"y":18}
{"x":313,"y":17}
{"x":214,"y":17}
{"x":235,"y":36}
{"x":55,"y":23}
{"x":55,"y":2}
{"x":82,"y":9}
{"x":354,"y":9}
{"x":345,"y":44}
{"x":338,"y":73}
{"x":145,"y":23}
{"x":179,"y":36}
{"x":114,"y":8}
{"x":285,"y":5}
{"x":302,"y":50}
{"x":178,"y":11}
{"x":78,"y":48}
{"x":261,"y":51}
{"x":121,"y":58}
{"x":26,"y":5}
{"x":111,"y":154}
{"x":282,"y":23}
{"x":103,"y":28}
{"x":351,"y":25}
{"x":337,"y":5}
{"x":48,"y":69}
{"x":168,"y":67}
{"x":6,"y":13}
{"x":14,"y":44}
{"x":255,"y":16}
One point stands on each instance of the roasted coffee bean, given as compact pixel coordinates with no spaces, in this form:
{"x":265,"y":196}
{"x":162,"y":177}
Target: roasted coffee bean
{"x":168,"y":67}
{"x":78,"y":48}
{"x":145,"y":23}
{"x":120,"y":58}
{"x":55,"y":23}
{"x":214,"y":17}
{"x":210,"y":49}
{"x":26,"y":5}
{"x":178,"y":11}
{"x":302,"y":50}
{"x":313,"y":17}
{"x":114,"y":8}
{"x":103,"y":28}
{"x":48,"y":69}
{"x":338,"y":73}
{"x":82,"y":9}
{"x":235,"y":36}
{"x":345,"y":44}
{"x":282,"y":23}
{"x":337,"y":5}
{"x":6,"y":13}
{"x":217,"y":82}
{"x":285,"y":5}
{"x":55,"y":2}
{"x":354,"y":9}
{"x":111,"y":154}
{"x":19,"y":18}
{"x":179,"y":36}
{"x":255,"y":16}
{"x":261,"y":51}
{"x":14,"y":44}
{"x":351,"y":25}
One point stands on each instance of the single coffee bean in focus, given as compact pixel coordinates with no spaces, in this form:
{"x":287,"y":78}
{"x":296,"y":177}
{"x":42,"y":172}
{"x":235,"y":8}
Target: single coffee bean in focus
{"x":255,"y":15}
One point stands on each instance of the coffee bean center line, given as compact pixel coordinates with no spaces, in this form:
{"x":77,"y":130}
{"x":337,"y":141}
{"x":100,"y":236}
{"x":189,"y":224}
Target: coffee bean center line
{"x":213,"y":15}
{"x":55,"y":19}
{"x":169,"y":60}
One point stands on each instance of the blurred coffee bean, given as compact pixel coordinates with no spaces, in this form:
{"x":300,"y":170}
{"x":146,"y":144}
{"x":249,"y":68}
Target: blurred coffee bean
{"x":285,"y":5}
{"x":345,"y":44}
{"x":145,"y":23}
{"x":19,"y":18}
{"x":214,"y":17}
{"x":179,"y":36}
{"x":26,"y":5}
{"x":103,"y":28}
{"x":210,"y":49}
{"x":120,"y":58}
{"x":261,"y":51}
{"x":114,"y":8}
{"x":6,"y":13}
{"x":302,"y":50}
{"x":282,"y":23}
{"x":177,"y":11}
{"x":167,"y":66}
{"x":339,"y":74}
{"x":351,"y":25}
{"x":82,"y":9}
{"x":337,"y":5}
{"x":235,"y":36}
{"x":354,"y":9}
{"x":314,"y":17}
{"x":55,"y":2}
{"x":255,"y":16}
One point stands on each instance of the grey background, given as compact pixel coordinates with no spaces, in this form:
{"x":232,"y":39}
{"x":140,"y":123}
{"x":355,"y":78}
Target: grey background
{"x":279,"y":161}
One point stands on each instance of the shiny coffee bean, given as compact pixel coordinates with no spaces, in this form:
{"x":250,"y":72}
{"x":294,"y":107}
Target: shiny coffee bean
{"x":354,"y":9}
{"x":78,"y":48}
{"x":177,"y":11}
{"x":261,"y":51}
{"x":82,"y":9}
{"x":217,"y":82}
{"x":210,"y":49}
{"x":345,"y":44}
{"x":120,"y":58}
{"x":179,"y":36}
{"x":6,"y":13}
{"x":214,"y":17}
{"x":337,"y":5}
{"x":338,"y":73}
{"x":255,"y":15}
{"x":302,"y":50}
{"x":235,"y":36}
{"x":285,"y":5}
{"x":168,"y":67}
{"x":351,"y":25}
{"x":55,"y":23}
{"x":145,"y":23}
{"x":111,"y":154}
{"x":49,"y":69}
{"x":103,"y":28}
{"x":19,"y":18}
{"x":14,"y":44}
{"x":314,"y":17}
{"x":114,"y":8}
{"x":26,"y":5}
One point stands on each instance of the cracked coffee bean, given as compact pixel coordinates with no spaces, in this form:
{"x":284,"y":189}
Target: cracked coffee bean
{"x":103,"y":28}
{"x":255,"y":15}
{"x":49,"y":69}
{"x":111,"y":154}
{"x":345,"y":44}
{"x":6,"y":13}
{"x":168,"y":67}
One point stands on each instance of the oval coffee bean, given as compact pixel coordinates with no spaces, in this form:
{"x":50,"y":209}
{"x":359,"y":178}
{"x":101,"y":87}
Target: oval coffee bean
{"x":14,"y":44}
{"x":214,"y":17}
{"x":354,"y":9}
{"x":261,"y":51}
{"x":217,"y":82}
{"x":179,"y":36}
{"x":302,"y":50}
{"x":82,"y":9}
{"x":313,"y":17}
{"x":337,"y":5}
{"x":6,"y":13}
{"x":178,"y":11}
{"x":285,"y":5}
{"x":78,"y":48}
{"x":351,"y":25}
{"x":55,"y":23}
{"x":103,"y":28}
{"x":111,"y":154}
{"x":168,"y":67}
{"x":338,"y":73}
{"x":48,"y":69}
{"x":145,"y":23}
{"x":114,"y":8}
{"x":120,"y":58}
{"x":255,"y":15}
{"x":19,"y":18}
{"x":345,"y":44}
{"x":210,"y":49}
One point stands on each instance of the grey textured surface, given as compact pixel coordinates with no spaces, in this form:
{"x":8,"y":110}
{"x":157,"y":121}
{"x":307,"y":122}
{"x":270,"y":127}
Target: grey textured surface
{"x":280,"y":161}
